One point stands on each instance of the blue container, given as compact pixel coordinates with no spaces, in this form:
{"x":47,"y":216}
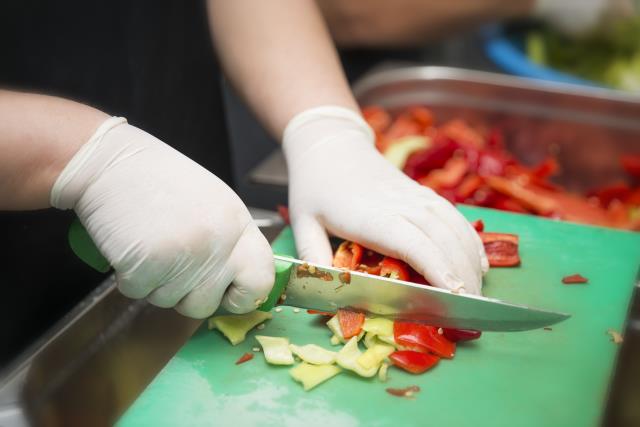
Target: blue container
{"x":508,"y":53}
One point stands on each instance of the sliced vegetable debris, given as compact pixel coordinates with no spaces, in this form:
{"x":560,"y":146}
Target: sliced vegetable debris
{"x":574,"y":279}
{"x":244,"y":358}
{"x":312,"y":375}
{"x":501,"y":249}
{"x":404,"y":392}
{"x":458,"y":335}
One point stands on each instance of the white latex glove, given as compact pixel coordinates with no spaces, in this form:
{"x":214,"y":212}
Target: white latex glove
{"x":339,"y":183}
{"x":174,"y":232}
{"x":576,"y":17}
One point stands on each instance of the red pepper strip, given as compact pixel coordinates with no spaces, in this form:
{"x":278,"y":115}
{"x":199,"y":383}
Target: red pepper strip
{"x":478,"y":225}
{"x":394,"y":268}
{"x":283,"y":211}
{"x":422,"y":115}
{"x":457,"y":335}
{"x":244,"y":358}
{"x":403,"y":392}
{"x":501,"y":249}
{"x":348,"y":255}
{"x":403,"y":126}
{"x":529,"y":199}
{"x":617,"y":191}
{"x":631,"y":164}
{"x":320,"y":313}
{"x":460,"y":132}
{"x":510,"y":205}
{"x":449,"y":176}
{"x":574,"y":279}
{"x":547,"y":168}
{"x":422,"y":162}
{"x":413,"y":361}
{"x":468,"y":186}
{"x":377,"y":118}
{"x":422,"y":338}
{"x":350,"y":323}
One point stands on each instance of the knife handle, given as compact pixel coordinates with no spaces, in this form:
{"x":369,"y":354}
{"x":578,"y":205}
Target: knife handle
{"x":82,"y":245}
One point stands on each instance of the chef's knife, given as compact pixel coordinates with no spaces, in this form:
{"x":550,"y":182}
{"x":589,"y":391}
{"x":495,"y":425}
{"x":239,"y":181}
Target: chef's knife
{"x":323,"y":288}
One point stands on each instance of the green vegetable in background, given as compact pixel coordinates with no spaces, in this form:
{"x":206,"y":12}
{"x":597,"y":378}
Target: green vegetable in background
{"x":610,"y":56}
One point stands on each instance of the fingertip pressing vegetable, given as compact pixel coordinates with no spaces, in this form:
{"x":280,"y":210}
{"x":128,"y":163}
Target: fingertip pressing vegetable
{"x":312,"y":375}
{"x":574,"y":279}
{"x":276,"y":350}
{"x":413,"y":361}
{"x":350,"y":323}
{"x":236,"y":326}
{"x":348,"y":359}
{"x":314,"y":354}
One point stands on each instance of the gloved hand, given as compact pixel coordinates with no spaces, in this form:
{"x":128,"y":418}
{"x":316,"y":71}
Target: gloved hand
{"x":174,"y":232}
{"x":576,"y":17}
{"x":339,"y":183}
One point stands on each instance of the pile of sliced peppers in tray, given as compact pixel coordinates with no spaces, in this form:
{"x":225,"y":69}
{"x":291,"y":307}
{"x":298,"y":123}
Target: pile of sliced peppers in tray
{"x":467,"y":165}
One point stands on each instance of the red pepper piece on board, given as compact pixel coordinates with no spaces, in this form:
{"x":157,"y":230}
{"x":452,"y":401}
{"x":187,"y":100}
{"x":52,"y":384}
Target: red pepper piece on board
{"x":244,"y":358}
{"x":423,"y":338}
{"x":574,"y":279}
{"x":350,"y":322}
{"x":631,"y":164}
{"x":478,"y":225}
{"x":403,"y":392}
{"x":394,"y":268}
{"x":501,"y":249}
{"x":457,"y":335}
{"x":348,"y":255}
{"x":413,"y":361}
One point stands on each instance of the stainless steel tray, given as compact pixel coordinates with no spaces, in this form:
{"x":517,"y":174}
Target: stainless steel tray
{"x":587,"y":129}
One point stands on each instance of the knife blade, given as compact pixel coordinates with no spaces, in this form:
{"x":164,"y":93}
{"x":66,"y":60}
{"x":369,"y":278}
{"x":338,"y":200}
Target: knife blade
{"x":313,"y":286}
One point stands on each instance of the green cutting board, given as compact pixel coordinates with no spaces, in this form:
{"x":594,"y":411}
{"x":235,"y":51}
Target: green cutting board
{"x":549,"y":378}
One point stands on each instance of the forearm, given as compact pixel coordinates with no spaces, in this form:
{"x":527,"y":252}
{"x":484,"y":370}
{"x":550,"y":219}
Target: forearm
{"x":279,"y":56}
{"x":38,"y":136}
{"x":382,"y":23}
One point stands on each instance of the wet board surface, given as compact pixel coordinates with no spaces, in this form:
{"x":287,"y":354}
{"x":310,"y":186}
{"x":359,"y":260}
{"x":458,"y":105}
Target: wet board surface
{"x":537,"y":378}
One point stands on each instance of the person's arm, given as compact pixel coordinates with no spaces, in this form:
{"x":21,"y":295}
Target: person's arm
{"x":279,"y":55}
{"x":383,"y":23}
{"x":38,"y":136}
{"x":174,"y":233}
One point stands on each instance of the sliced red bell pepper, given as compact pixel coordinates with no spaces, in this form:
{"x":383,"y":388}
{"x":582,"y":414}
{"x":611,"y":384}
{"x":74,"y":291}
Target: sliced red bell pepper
{"x":420,"y":163}
{"x":448,"y":176}
{"x":529,"y":199}
{"x":413,"y":361}
{"x":377,"y":118}
{"x":422,"y":115}
{"x":457,"y":335}
{"x":574,"y":279}
{"x":348,"y":255}
{"x":350,"y":322}
{"x":501,"y":249}
{"x":423,"y":338}
{"x":244,"y":358}
{"x":403,"y":126}
{"x":616,"y":191}
{"x":394,"y":268}
{"x":468,"y":186}
{"x":547,"y":168}
{"x":631,"y":164}
{"x":460,"y":132}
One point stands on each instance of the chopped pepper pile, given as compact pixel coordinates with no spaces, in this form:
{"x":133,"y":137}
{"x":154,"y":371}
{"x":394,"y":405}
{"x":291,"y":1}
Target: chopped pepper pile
{"x":471,"y":166}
